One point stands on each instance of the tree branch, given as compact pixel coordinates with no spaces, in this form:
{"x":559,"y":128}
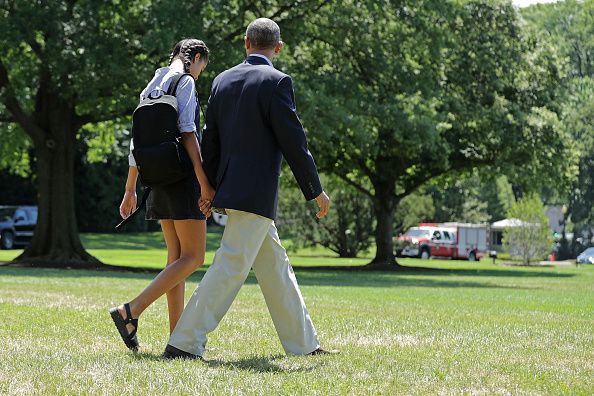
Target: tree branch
{"x":14,"y":108}
{"x":357,"y":186}
{"x":278,"y":13}
{"x":29,"y":36}
{"x":364,"y":168}
{"x":415,"y":183}
{"x":297,"y":16}
{"x":92,"y":118}
{"x":326,"y":245}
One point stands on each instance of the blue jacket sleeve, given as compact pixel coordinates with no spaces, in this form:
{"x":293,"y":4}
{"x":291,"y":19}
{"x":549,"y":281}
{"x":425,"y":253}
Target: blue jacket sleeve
{"x":291,"y":139}
{"x":211,"y":145}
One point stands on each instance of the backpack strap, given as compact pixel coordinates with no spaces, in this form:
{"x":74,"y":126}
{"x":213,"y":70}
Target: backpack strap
{"x":145,"y":194}
{"x":175,"y":82}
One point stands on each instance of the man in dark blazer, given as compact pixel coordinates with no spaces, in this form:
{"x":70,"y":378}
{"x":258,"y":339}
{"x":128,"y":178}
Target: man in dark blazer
{"x":251,"y":124}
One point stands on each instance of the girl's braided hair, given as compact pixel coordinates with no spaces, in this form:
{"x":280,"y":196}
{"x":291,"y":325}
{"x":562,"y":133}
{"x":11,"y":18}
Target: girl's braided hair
{"x":187,"y":49}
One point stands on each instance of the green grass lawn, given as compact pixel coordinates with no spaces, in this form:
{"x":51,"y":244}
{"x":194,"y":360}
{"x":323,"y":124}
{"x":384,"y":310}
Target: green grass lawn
{"x":147,"y":249}
{"x":471,"y":328}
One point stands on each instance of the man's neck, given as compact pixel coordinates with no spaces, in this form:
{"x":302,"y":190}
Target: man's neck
{"x":268,"y":54}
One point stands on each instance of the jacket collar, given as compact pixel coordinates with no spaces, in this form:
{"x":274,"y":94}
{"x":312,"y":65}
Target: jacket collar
{"x":256,"y":60}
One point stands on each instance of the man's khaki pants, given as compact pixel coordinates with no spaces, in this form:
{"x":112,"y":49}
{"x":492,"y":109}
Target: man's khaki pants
{"x":249,"y":241}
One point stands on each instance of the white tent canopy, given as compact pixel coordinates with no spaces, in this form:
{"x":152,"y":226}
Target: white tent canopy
{"x":505,"y":223}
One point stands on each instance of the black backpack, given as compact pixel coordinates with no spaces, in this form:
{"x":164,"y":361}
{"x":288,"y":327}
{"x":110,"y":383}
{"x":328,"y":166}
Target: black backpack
{"x":160,"y":157}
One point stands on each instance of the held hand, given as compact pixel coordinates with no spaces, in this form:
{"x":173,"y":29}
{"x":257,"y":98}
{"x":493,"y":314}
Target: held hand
{"x":323,"y":202}
{"x":205,"y":207}
{"x":128,"y":204}
{"x":207,"y":194}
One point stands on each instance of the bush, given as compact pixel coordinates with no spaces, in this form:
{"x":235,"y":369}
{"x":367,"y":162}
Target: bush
{"x":346,"y":230}
{"x":413,"y":209}
{"x":531,"y":238}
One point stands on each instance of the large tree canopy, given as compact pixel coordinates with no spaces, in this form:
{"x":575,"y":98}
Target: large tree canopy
{"x":67,"y":64}
{"x":395,"y":93}
{"x":569,"y":26}
{"x":63,"y":65}
{"x":400,"y":92}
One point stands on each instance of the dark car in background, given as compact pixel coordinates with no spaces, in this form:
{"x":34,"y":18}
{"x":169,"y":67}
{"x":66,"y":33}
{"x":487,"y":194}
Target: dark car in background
{"x":17,"y":224}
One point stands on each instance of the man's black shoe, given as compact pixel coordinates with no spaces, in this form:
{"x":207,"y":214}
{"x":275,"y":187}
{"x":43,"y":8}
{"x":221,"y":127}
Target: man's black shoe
{"x":172,"y":352}
{"x":321,"y":351}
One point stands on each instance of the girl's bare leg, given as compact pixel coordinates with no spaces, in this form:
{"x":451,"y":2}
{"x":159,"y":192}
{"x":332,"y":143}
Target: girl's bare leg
{"x":193,"y":244}
{"x":175,"y":296}
{"x":192,"y":238}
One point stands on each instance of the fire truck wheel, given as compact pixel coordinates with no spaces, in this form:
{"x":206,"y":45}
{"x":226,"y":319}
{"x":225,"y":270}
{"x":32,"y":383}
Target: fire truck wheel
{"x":472,"y":256}
{"x":425,"y":253}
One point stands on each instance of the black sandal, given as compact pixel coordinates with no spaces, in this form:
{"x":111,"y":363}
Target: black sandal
{"x":129,"y":338}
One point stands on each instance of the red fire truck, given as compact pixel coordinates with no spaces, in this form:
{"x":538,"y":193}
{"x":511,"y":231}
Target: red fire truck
{"x":453,"y":240}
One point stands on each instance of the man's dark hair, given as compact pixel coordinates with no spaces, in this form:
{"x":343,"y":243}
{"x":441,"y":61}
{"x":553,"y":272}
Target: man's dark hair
{"x":263,"y":33}
{"x":187,"y":49}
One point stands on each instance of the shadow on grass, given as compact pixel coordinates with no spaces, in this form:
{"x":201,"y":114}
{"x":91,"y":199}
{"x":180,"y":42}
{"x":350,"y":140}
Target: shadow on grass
{"x":433,"y":278}
{"x":259,"y":364}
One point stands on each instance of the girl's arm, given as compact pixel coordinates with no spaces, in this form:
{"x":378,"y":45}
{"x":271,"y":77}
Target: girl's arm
{"x":187,"y":106}
{"x":128,"y":204}
{"x":190,"y":143}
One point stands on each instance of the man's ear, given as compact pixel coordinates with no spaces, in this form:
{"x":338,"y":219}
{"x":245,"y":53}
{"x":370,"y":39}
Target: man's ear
{"x":248,"y":43}
{"x":279,"y":46}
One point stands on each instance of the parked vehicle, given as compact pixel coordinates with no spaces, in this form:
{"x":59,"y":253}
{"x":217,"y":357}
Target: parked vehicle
{"x":586,"y":257}
{"x":17,"y":224}
{"x":416,"y":242}
{"x":453,"y":240}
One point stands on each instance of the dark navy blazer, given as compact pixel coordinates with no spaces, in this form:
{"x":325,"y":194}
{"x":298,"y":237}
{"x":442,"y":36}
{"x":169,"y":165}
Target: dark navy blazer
{"x":251,"y":124}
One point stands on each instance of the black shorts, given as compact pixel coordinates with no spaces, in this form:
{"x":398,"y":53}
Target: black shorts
{"x":177,"y":201}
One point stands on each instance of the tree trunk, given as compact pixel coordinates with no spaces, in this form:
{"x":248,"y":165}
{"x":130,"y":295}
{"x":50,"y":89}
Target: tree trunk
{"x":56,"y":242}
{"x":383,"y":206}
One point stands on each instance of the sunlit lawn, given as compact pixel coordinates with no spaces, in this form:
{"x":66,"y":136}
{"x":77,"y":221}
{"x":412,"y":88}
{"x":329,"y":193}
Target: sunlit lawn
{"x":459,"y":327}
{"x":147,"y":249}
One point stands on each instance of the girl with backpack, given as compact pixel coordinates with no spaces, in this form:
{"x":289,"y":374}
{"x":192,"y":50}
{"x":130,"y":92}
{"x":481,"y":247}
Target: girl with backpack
{"x":175,"y":205}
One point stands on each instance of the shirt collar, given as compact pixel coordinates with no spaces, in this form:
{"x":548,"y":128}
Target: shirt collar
{"x":263,"y":57}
